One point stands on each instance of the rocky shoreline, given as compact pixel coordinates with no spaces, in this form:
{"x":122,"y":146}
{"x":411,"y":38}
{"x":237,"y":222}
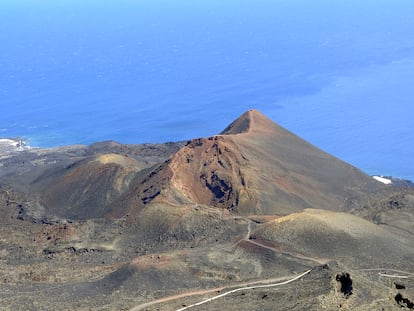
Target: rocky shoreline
{"x":12,"y":144}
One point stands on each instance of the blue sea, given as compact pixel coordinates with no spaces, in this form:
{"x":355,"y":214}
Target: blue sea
{"x":339,"y":73}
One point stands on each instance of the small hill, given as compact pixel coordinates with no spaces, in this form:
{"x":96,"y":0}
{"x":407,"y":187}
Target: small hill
{"x":87,"y":188}
{"x":339,"y":236}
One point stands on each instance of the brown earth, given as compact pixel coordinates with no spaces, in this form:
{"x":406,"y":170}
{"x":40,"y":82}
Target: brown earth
{"x":160,"y":227}
{"x":254,"y":167}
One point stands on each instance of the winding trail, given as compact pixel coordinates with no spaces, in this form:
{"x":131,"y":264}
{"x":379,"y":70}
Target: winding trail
{"x":290,"y":254}
{"x":264,"y":283}
{"x":407,"y":275}
{"x":248,"y":239}
{"x":244,"y":286}
{"x":249,"y":230}
{"x":393,"y":276}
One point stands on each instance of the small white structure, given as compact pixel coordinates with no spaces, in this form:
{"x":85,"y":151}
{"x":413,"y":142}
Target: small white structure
{"x":383,"y":180}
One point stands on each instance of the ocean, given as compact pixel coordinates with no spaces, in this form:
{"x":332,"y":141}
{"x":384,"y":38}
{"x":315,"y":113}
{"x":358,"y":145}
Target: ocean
{"x":339,"y":73}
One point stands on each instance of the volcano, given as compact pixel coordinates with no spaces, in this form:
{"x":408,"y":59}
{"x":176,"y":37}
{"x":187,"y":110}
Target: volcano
{"x":254,"y":167}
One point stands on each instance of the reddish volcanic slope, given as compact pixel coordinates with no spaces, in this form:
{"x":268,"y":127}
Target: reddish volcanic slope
{"x":253,"y":167}
{"x":88,"y":188}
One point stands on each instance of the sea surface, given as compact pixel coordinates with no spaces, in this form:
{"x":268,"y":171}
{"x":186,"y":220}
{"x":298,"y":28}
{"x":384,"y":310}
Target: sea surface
{"x":339,"y":73}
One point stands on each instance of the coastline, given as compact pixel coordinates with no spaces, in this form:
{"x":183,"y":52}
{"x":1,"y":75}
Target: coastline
{"x":10,"y":145}
{"x":14,"y":146}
